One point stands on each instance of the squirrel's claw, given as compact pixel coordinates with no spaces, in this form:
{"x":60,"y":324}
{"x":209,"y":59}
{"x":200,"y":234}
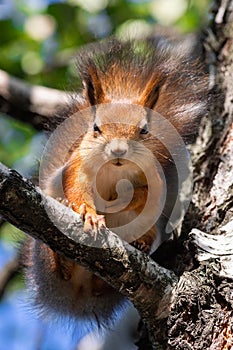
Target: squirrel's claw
{"x":92,"y":221}
{"x":65,"y":202}
{"x":89,"y":224}
{"x":141,"y":245}
{"x":83,"y":211}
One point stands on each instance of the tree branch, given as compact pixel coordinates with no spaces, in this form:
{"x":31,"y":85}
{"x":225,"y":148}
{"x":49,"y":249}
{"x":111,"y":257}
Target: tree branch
{"x":33,"y":104}
{"x":131,"y":272}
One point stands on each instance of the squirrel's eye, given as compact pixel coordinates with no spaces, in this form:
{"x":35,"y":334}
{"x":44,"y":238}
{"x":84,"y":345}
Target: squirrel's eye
{"x":96,"y":128}
{"x":144,"y":130}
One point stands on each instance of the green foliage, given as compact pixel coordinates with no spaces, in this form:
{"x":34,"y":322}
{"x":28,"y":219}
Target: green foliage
{"x":46,"y":58}
{"x":16,"y":236}
{"x":195,"y":17}
{"x":15,"y":139}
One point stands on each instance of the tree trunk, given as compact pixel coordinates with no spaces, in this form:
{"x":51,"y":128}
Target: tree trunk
{"x":202,"y":316}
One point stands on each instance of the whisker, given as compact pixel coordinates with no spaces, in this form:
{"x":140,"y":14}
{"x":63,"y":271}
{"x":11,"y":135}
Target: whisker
{"x":74,"y":161}
{"x":83,"y":149}
{"x":164,"y":156}
{"x":104,"y":138}
{"x":93,"y":141}
{"x":147,"y":139}
{"x":156,"y":151}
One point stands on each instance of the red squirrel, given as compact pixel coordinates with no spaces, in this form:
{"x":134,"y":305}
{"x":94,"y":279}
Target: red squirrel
{"x":127,"y":86}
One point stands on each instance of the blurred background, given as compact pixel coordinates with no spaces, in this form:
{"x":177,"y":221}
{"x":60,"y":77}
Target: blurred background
{"x":38,"y":42}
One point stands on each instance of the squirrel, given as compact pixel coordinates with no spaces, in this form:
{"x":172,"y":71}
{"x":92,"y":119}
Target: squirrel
{"x":139,"y":102}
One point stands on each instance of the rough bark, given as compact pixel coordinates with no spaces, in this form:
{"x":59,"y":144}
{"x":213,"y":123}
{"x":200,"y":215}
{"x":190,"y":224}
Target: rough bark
{"x":202,"y":317}
{"x":213,"y":195}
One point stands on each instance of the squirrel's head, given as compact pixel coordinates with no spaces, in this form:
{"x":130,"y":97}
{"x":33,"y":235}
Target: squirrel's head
{"x":157,"y":77}
{"x":139,"y":97}
{"x":118,"y":135}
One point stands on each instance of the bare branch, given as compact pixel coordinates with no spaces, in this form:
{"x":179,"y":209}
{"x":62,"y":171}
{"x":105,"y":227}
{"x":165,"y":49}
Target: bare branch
{"x":32,"y":104}
{"x":131,"y":272}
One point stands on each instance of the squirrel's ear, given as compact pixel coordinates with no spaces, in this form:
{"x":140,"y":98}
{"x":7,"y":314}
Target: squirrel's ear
{"x":93,"y":88}
{"x":150,"y":94}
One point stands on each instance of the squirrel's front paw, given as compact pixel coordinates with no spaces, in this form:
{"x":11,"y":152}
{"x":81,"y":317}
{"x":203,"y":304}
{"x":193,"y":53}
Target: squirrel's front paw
{"x":140,"y":244}
{"x":65,"y":202}
{"x":92,"y":221}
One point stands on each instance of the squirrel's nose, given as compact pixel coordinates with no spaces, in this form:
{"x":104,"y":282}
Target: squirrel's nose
{"x":118,"y":148}
{"x":118,"y":153}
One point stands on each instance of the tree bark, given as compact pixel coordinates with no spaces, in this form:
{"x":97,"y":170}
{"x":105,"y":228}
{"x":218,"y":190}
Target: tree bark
{"x":202,"y":317}
{"x":213,"y":195}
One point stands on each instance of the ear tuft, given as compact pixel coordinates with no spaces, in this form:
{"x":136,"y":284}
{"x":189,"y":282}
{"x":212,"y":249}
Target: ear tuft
{"x":93,"y":87}
{"x":150,"y":94}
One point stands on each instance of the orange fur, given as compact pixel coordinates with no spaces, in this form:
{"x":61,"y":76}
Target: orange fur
{"x":120,"y":83}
